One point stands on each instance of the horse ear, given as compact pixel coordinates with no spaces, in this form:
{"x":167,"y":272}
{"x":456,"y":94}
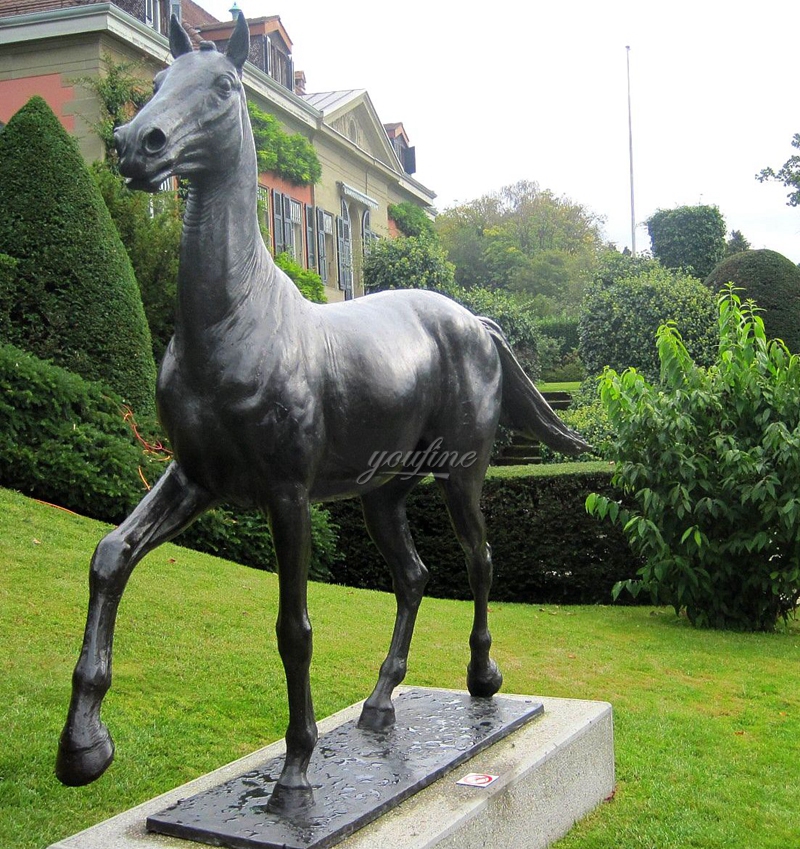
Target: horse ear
{"x":179,"y":41}
{"x":239,"y":44}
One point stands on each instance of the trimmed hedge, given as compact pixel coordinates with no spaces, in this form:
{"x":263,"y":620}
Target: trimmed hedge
{"x":545,"y":548}
{"x":65,"y":440}
{"x":773,"y":282}
{"x":73,"y":298}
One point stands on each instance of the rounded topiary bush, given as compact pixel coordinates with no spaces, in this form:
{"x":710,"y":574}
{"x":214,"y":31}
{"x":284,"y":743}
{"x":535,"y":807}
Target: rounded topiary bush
{"x":773,"y":282}
{"x":619,"y":321}
{"x":73,"y":296}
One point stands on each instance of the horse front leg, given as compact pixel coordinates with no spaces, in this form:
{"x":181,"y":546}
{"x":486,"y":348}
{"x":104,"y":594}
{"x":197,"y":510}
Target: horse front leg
{"x":290,"y":522}
{"x":86,"y":749}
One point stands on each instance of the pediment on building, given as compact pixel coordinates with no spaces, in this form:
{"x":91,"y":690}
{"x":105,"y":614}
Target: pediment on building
{"x":352,"y":114}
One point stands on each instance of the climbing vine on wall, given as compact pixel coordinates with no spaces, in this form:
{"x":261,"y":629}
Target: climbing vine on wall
{"x":291,"y":156}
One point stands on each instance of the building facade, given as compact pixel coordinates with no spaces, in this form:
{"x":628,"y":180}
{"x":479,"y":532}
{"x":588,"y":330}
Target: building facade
{"x":48,"y":47}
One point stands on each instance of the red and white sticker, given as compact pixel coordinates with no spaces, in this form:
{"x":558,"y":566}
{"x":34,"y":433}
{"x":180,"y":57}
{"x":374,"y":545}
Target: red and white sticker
{"x":478,"y":779}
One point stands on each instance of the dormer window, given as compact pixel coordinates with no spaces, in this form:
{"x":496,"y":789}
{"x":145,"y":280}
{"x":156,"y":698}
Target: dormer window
{"x":152,"y":14}
{"x":399,"y":141}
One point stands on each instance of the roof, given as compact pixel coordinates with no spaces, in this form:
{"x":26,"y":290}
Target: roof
{"x":331,"y":101}
{"x":193,"y":15}
{"x":26,"y":7}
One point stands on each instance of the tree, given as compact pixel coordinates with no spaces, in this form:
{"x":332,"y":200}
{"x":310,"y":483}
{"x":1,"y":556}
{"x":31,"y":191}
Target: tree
{"x":773,"y":281}
{"x":75,"y":297}
{"x":690,"y":238}
{"x":524,"y":239}
{"x":788,"y":174}
{"x":620,"y":320}
{"x":736,"y":244}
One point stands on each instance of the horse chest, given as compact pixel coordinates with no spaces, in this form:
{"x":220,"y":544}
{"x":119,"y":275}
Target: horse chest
{"x":232,"y":434}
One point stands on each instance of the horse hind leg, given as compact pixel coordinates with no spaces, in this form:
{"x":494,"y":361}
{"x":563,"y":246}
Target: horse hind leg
{"x":86,"y":749}
{"x":385,"y":516}
{"x":462,"y":497}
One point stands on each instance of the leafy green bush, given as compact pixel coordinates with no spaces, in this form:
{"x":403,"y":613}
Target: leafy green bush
{"x":588,"y":416}
{"x":64,"y":439}
{"x":408,"y":262}
{"x":711,"y":462}
{"x":773,"y":282}
{"x":306,"y":280}
{"x":564,"y":363}
{"x":70,"y":441}
{"x":412,"y":220}
{"x":619,"y":321}
{"x":544,"y":546}
{"x":150,"y":229}
{"x":75,"y":299}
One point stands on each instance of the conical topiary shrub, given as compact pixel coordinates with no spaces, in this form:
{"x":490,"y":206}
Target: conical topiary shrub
{"x":73,"y":296}
{"x":773,"y":282}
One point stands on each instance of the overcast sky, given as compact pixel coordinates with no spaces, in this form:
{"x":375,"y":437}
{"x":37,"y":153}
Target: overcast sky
{"x":499,"y":92}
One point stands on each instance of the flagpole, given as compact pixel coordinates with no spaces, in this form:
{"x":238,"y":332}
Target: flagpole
{"x":630,"y":150}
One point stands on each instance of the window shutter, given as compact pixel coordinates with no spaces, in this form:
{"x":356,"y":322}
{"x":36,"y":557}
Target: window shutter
{"x":278,"y":230}
{"x":311,"y":239}
{"x":288,"y":231}
{"x":344,"y":258}
{"x":322,"y":254}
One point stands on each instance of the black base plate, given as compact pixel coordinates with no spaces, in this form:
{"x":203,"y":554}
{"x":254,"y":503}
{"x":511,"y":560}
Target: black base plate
{"x":357,"y":775}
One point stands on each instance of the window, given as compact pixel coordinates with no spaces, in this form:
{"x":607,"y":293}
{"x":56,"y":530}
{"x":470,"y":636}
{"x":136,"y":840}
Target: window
{"x":368,"y":238}
{"x":324,"y":243}
{"x":282,"y":227}
{"x":345,"y":252}
{"x":152,"y":14}
{"x":296,"y":219}
{"x":263,"y":208}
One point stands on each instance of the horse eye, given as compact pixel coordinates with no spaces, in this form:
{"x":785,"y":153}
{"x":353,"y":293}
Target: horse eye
{"x":224,"y":85}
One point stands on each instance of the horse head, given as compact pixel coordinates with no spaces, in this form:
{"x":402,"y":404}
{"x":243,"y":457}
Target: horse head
{"x":194,"y":124}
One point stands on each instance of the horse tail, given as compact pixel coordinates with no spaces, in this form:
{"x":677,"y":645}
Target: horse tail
{"x":524,"y":408}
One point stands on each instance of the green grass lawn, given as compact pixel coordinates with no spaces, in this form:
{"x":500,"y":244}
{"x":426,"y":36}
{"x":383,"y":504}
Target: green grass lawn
{"x":707,"y":725}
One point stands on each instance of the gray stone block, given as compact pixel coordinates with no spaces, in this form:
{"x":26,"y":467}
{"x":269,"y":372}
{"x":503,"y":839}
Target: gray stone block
{"x":551,"y":773}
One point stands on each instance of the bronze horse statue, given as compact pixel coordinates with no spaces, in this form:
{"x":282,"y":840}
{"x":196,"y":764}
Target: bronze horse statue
{"x":273,"y":402}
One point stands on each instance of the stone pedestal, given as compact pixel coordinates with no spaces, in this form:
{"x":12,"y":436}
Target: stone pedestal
{"x":550,"y":772}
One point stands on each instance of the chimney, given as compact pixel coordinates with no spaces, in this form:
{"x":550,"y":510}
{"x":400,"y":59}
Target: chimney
{"x":300,"y":83}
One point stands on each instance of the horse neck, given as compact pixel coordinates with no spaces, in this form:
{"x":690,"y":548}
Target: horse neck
{"x":226,"y":274}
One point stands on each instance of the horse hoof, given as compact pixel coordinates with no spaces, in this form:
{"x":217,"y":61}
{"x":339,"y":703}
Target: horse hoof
{"x":376,"y":719}
{"x":487,"y":683}
{"x":76,"y":767}
{"x":287,"y":801}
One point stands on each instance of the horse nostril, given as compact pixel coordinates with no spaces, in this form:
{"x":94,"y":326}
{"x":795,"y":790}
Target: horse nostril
{"x":154,"y":141}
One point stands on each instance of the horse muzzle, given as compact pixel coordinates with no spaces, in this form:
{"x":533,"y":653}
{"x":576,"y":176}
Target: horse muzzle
{"x":141,"y":159}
